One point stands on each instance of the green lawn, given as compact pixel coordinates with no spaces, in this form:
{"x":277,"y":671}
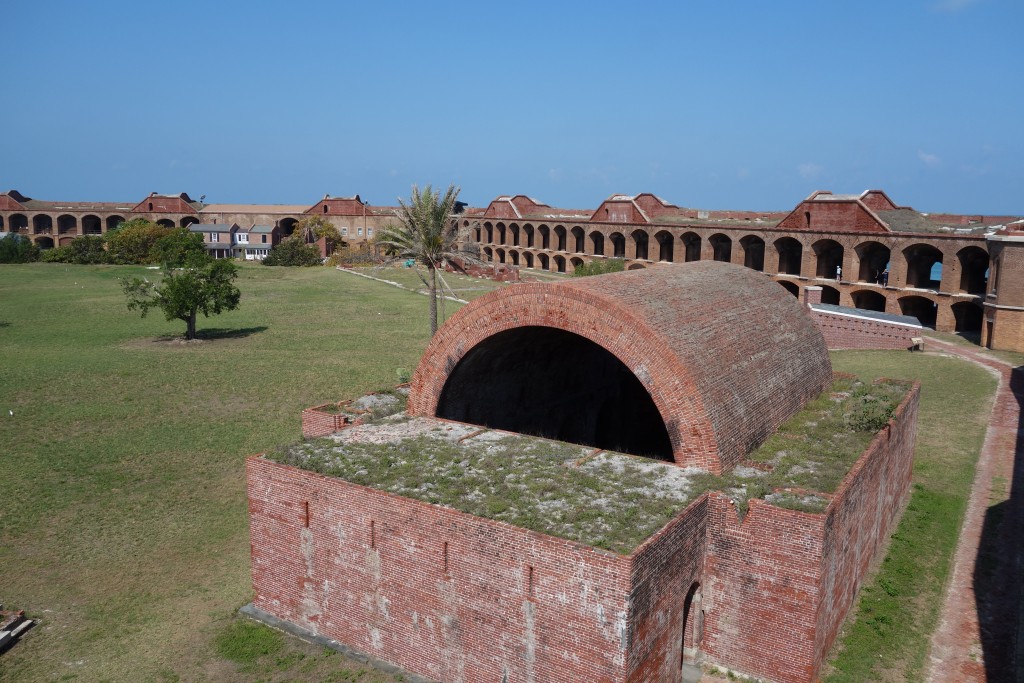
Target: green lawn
{"x":463,"y":286}
{"x":123,"y":524}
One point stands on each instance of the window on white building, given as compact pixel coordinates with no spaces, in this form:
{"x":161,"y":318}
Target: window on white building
{"x":243,"y":238}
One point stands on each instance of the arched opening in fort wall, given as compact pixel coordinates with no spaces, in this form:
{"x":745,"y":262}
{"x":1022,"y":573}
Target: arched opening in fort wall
{"x":564,"y":387}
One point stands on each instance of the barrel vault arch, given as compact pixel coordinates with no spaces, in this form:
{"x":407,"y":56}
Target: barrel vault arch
{"x":664,"y":354}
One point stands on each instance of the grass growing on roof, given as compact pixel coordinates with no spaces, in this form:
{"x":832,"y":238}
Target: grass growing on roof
{"x":815,"y":449}
{"x":611,"y":501}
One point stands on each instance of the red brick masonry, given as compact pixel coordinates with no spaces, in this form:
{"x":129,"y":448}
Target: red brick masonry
{"x":460,"y":598}
{"x":852,"y":332}
{"x":725,"y":354}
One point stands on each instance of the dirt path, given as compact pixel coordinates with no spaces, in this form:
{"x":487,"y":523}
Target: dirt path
{"x":981,"y":614}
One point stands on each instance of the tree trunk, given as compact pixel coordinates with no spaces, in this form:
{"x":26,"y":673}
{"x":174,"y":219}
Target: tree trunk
{"x":190,"y":332}
{"x":433,"y":300}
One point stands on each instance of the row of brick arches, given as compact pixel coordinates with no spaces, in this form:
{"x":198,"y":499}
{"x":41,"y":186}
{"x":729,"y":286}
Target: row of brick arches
{"x":48,"y":230}
{"x":921,"y":262}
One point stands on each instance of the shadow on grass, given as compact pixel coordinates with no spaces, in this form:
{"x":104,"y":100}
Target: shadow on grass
{"x":214,"y":333}
{"x":998,"y":565}
{"x":4,"y":323}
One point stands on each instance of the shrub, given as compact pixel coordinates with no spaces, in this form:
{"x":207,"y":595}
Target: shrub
{"x":600,"y":267}
{"x":870,"y":411}
{"x":83,"y":250}
{"x":363,"y":254}
{"x":293,"y":252}
{"x":133,"y":242}
{"x":17,"y":249}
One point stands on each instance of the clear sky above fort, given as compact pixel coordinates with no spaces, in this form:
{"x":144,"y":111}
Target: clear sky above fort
{"x":740,"y":105}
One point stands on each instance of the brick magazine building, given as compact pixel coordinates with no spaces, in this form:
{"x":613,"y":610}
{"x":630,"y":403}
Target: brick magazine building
{"x":843,"y":243}
{"x":693,"y":366}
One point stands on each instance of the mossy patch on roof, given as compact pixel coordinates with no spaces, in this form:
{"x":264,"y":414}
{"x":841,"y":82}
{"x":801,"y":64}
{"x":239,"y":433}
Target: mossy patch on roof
{"x":814,"y":450}
{"x":606,"y":500}
{"x":599,"y":498}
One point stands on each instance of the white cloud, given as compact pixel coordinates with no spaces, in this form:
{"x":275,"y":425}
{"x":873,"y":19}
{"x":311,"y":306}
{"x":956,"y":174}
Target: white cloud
{"x":928,"y":158}
{"x":953,"y":5}
{"x":975,"y":170}
{"x":810,"y":171}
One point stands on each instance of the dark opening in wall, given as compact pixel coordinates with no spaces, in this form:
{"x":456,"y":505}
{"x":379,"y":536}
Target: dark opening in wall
{"x":548,"y":382}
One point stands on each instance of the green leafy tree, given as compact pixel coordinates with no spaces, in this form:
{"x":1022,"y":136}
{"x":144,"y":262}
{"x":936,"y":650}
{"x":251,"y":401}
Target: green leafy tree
{"x":312,"y":228}
{"x":600,"y":267}
{"x":427,"y":234}
{"x":82,"y":250}
{"x":204,"y":286}
{"x":178,"y":247}
{"x":132,"y":241}
{"x":16,"y":248}
{"x":293,"y":252}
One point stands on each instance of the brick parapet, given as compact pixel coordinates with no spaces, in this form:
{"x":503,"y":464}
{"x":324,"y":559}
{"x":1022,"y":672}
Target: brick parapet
{"x":781,"y":581}
{"x":862,"y":515}
{"x":849,"y":332}
{"x":662,"y":571}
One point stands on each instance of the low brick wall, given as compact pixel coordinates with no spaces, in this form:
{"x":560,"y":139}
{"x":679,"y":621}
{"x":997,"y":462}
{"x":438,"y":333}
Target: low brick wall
{"x":849,"y":332}
{"x":781,"y":581}
{"x":862,"y":516}
{"x":323,"y":420}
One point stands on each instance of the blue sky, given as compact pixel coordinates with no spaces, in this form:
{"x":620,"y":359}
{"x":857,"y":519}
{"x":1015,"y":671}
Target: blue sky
{"x":715,"y":105}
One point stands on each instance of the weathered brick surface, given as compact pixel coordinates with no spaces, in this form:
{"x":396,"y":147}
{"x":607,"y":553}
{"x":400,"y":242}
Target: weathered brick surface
{"x":460,"y":598}
{"x":317,"y":422}
{"x":1003,"y":325}
{"x":663,"y":570}
{"x":175,"y":204}
{"x":368,"y":569}
{"x":782,"y":581}
{"x":862,"y":515}
{"x":833,"y":216}
{"x":846,"y":332}
{"x":725,"y":354}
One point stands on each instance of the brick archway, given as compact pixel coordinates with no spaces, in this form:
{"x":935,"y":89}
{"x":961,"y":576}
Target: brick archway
{"x":724,"y":354}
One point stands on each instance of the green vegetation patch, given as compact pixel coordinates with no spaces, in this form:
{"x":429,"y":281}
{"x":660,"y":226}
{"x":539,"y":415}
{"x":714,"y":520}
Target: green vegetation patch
{"x":609,"y":501}
{"x":244,"y":642}
{"x":814,"y":450}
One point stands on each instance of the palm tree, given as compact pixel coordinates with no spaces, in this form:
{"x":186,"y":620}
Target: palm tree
{"x":427,"y":234}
